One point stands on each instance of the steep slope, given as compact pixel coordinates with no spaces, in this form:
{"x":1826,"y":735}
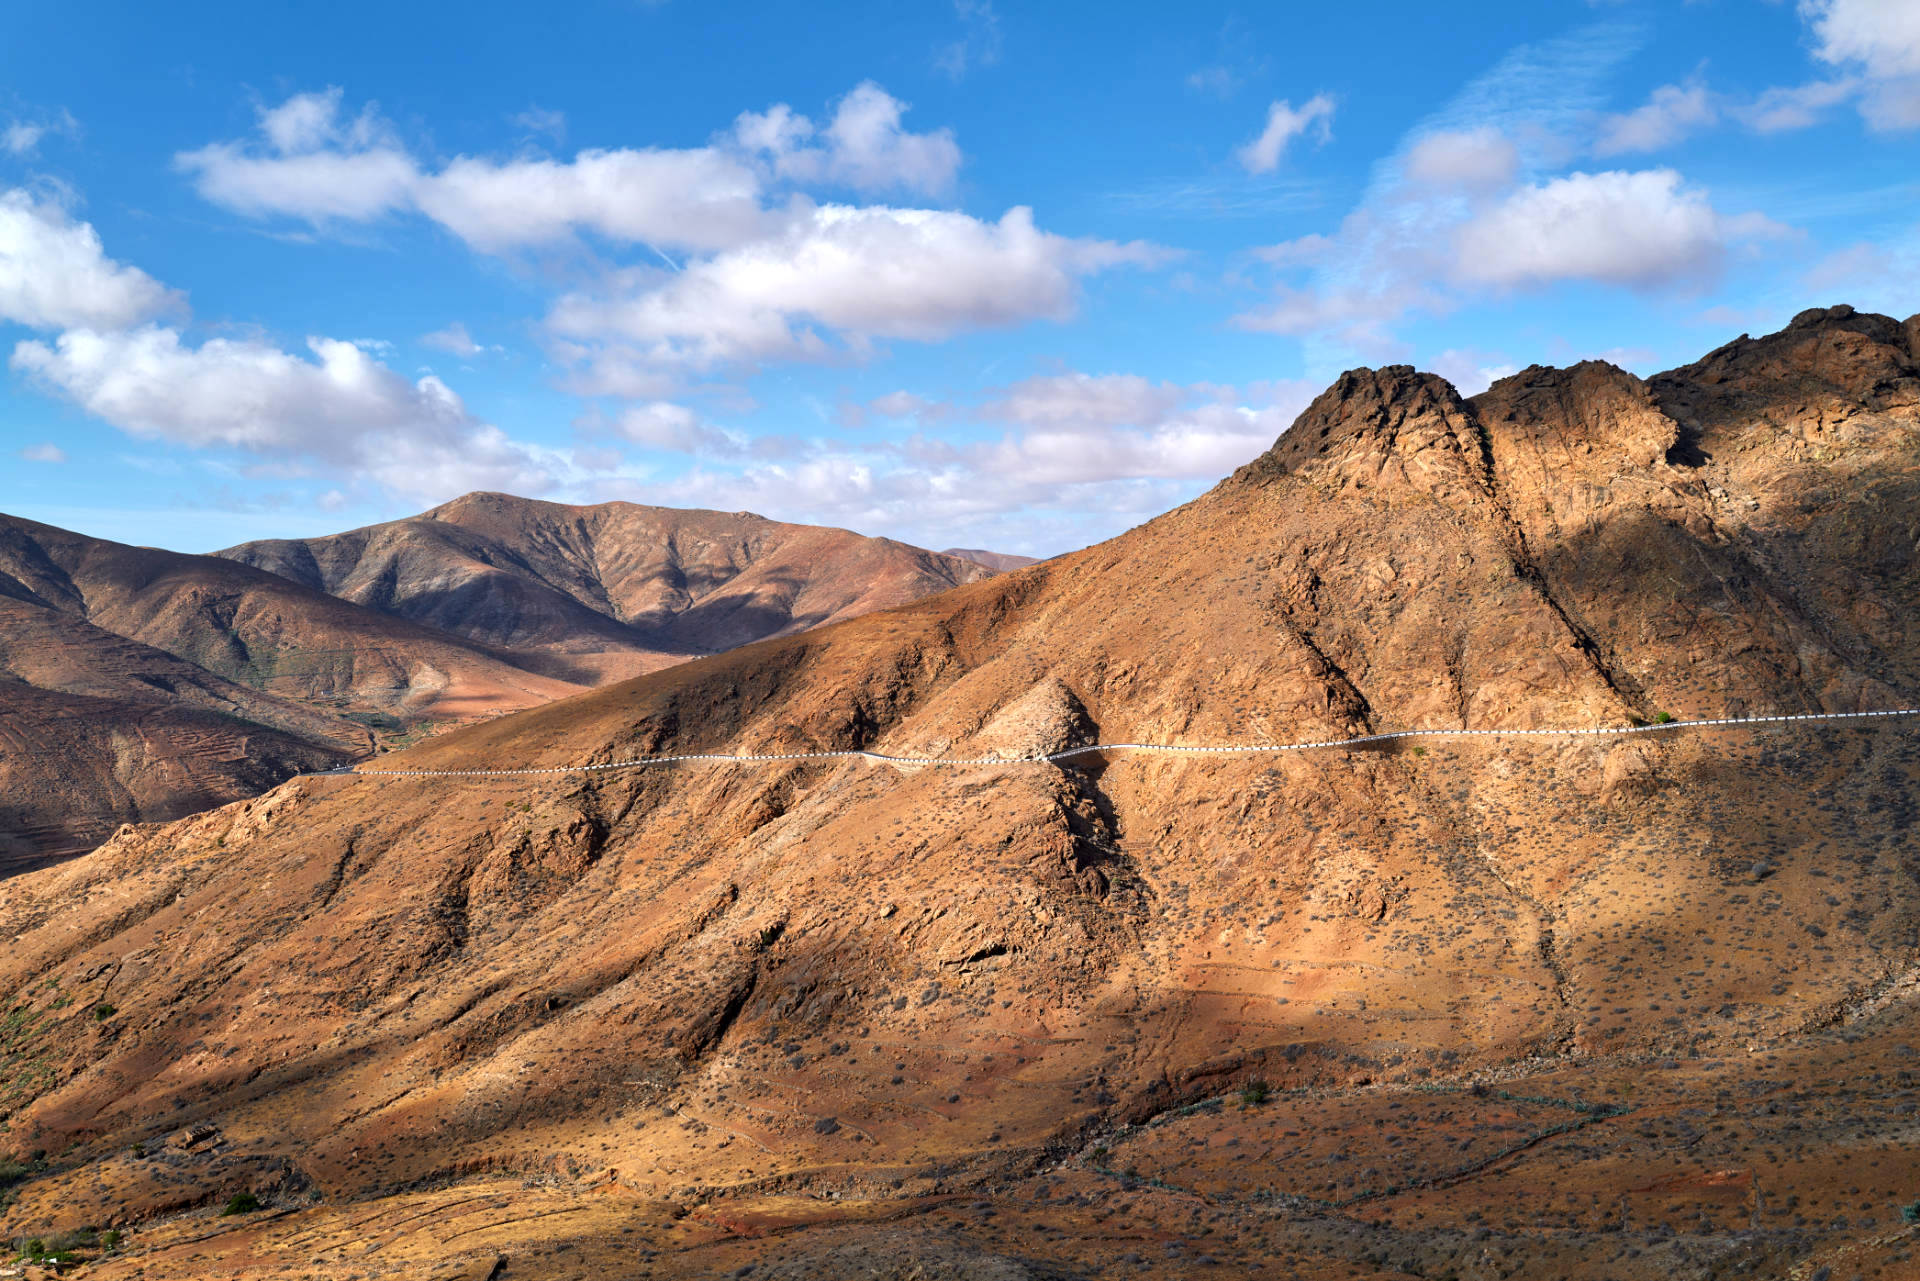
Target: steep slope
{"x":259,"y":629}
{"x":97,"y":730}
{"x":807,"y":1018}
{"x":149,"y":684}
{"x":609,"y":590}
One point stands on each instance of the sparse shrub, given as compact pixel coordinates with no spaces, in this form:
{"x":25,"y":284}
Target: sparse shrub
{"x":110,"y":1239}
{"x":1254,"y":1093}
{"x":1099,"y":1154}
{"x":1663,"y":718}
{"x":1910,"y":1213}
{"x":102,"y":1012}
{"x":241,"y":1203}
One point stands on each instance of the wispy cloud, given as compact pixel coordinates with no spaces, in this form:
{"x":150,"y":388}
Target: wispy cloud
{"x":1225,"y":196}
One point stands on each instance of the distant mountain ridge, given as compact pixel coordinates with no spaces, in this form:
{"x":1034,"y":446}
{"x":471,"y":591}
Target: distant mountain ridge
{"x":609,"y":590}
{"x":142,"y":685}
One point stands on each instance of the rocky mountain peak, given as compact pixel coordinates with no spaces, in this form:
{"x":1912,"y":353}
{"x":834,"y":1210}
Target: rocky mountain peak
{"x":1828,"y":366}
{"x":1589,"y":411}
{"x":1376,"y":426}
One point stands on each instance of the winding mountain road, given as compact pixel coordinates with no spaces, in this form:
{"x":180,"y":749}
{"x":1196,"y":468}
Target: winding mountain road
{"x":1230,"y":749}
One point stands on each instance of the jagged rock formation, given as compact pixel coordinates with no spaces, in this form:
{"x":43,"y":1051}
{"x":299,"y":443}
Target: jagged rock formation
{"x":613,"y":589}
{"x":1585,"y":1008}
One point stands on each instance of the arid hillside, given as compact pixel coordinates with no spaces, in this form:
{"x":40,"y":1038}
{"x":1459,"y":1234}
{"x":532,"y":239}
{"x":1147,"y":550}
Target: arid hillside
{"x":610,"y":590}
{"x":97,"y":730}
{"x":305,"y":649}
{"x":1584,"y":1007}
{"x":157,"y":684}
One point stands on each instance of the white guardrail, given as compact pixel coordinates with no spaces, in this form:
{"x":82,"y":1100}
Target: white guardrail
{"x":1226,"y":750}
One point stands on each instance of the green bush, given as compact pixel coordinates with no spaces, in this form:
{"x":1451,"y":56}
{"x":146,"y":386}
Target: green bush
{"x":1254,"y":1093}
{"x":241,"y":1203}
{"x":102,"y":1012}
{"x":1663,"y":718}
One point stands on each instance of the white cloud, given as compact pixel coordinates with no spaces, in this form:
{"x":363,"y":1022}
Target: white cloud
{"x":23,"y":137}
{"x":236,"y":392}
{"x":1471,"y":372}
{"x":544,"y":121}
{"x":1084,"y":400}
{"x":1202,"y":443}
{"x":1388,"y":256}
{"x":760,"y":276}
{"x":863,"y":146}
{"x":662,"y":425}
{"x":1640,"y":229}
{"x":1875,"y":44}
{"x":1472,"y":158}
{"x":1797,"y":107}
{"x":699,"y":199}
{"x":978,"y":47}
{"x":1671,"y":113}
{"x":1216,"y":80}
{"x":1039,"y":488}
{"x":1358,"y":312}
{"x":1284,"y":124}
{"x":861,"y":273}
{"x":1304,"y":251}
{"x":309,"y":161}
{"x":1882,"y":37}
{"x":54,"y":273}
{"x":905,"y":404}
{"x":342,"y":407}
{"x":454,"y":339}
{"x":46,"y":452}
{"x":315,"y":164}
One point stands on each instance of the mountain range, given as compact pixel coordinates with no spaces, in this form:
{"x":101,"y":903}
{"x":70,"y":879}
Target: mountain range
{"x":147,"y":685}
{"x":1596,"y":1005}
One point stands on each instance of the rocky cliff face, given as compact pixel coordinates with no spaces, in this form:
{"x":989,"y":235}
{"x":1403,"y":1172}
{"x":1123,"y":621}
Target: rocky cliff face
{"x":1482,"y":996}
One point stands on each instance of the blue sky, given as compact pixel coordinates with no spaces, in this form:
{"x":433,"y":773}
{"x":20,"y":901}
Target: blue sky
{"x":967,"y":272}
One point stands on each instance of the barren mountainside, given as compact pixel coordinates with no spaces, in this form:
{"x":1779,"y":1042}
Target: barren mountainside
{"x":153,"y":684}
{"x":213,"y":680}
{"x":1586,"y":1007}
{"x":613,"y":589}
